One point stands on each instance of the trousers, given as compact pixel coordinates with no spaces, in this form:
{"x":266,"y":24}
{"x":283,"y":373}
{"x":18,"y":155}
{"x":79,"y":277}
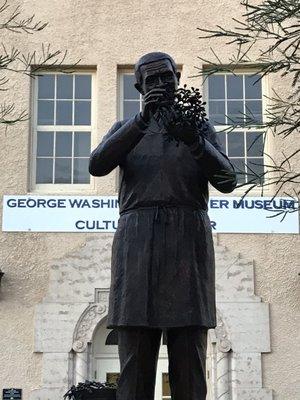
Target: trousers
{"x":138,"y":353}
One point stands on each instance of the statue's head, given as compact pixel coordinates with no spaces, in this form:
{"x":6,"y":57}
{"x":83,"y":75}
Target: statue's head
{"x":156,"y":70}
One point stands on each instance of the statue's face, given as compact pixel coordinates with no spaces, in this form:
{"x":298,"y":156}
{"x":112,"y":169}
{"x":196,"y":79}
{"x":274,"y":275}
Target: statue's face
{"x":159,"y":74}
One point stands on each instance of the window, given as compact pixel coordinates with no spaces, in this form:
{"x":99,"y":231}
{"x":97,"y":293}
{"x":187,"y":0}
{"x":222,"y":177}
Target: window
{"x":112,"y":378}
{"x":62,"y":129}
{"x":166,"y":390}
{"x":230,"y":98}
{"x":130,"y":98}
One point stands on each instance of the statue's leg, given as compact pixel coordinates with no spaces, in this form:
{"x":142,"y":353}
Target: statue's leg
{"x":138,"y":353}
{"x":187,"y":356}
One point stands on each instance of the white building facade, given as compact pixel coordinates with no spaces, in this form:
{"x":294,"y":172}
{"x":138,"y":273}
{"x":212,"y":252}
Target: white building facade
{"x":54,"y":294}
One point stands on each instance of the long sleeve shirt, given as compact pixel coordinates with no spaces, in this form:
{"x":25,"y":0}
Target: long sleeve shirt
{"x":156,"y":171}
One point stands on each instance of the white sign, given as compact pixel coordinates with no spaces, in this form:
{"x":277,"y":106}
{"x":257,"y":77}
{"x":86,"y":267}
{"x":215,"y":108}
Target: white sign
{"x":101,"y":214}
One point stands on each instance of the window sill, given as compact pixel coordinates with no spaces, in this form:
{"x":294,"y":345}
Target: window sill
{"x":63,"y":190}
{"x":240,"y":192}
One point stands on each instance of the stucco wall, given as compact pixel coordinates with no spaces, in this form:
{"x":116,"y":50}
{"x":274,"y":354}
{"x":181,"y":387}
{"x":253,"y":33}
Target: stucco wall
{"x":106,"y":34}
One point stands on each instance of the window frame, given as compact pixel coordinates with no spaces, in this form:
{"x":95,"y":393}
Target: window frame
{"x":120,"y":93}
{"x":59,"y":188}
{"x":267,"y":146}
{"x":243,"y":70}
{"x":121,"y":71}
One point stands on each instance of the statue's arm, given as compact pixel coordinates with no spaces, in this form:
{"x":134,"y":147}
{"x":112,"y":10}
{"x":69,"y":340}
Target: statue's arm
{"x":115,"y":145}
{"x":214,"y":162}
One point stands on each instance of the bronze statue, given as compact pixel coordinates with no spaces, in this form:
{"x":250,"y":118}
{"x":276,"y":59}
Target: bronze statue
{"x":163,"y":272}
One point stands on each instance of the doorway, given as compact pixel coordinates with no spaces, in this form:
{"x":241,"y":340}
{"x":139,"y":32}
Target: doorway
{"x":106,"y":366}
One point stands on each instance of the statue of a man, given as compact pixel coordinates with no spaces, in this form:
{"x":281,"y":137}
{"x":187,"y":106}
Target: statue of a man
{"x":163,"y":272}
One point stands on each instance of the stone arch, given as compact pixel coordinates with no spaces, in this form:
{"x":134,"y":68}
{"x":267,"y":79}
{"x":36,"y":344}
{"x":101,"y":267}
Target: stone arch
{"x":94,"y":315}
{"x":222,"y":334}
{"x":85,"y":327}
{"x":69,"y":321}
{"x":218,"y":360}
{"x":84,"y":330}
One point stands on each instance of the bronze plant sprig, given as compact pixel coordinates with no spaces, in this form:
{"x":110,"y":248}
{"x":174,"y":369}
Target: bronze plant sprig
{"x":185,"y":109}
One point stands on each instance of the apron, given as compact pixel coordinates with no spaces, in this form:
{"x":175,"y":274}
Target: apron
{"x":163,"y":267}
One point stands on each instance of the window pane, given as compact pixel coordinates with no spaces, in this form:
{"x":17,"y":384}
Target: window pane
{"x":81,"y":170}
{"x":64,"y":87}
{"x":83,"y":87}
{"x":254,"y":110}
{"x":46,"y":87}
{"x":222,"y":140}
{"x":130,"y":91}
{"x":45,"y":142}
{"x":164,"y":338}
{"x":234,"y":86}
{"x":255,"y":145}
{"x":63,"y":112}
{"x":216,"y":87}
{"x":44,"y":170}
{"x":235,"y":112}
{"x":252,"y":90}
{"x":240,"y":169}
{"x":82,"y":144}
{"x":166,"y":391}
{"x":45,"y":112}
{"x":131,"y":108}
{"x":63,"y":170}
{"x":217,"y":112}
{"x":63,"y":147}
{"x":112,"y":377}
{"x":82,"y":113}
{"x":255,"y":169}
{"x":236,"y":144}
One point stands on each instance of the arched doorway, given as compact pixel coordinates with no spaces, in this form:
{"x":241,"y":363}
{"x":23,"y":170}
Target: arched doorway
{"x":234,"y":363}
{"x":96,"y":354}
{"x":106,"y":366}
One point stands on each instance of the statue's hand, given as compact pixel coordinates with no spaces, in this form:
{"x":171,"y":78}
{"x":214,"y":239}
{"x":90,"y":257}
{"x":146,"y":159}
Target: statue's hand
{"x":186,"y":133}
{"x":152,"y":100}
{"x":178,"y":129}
